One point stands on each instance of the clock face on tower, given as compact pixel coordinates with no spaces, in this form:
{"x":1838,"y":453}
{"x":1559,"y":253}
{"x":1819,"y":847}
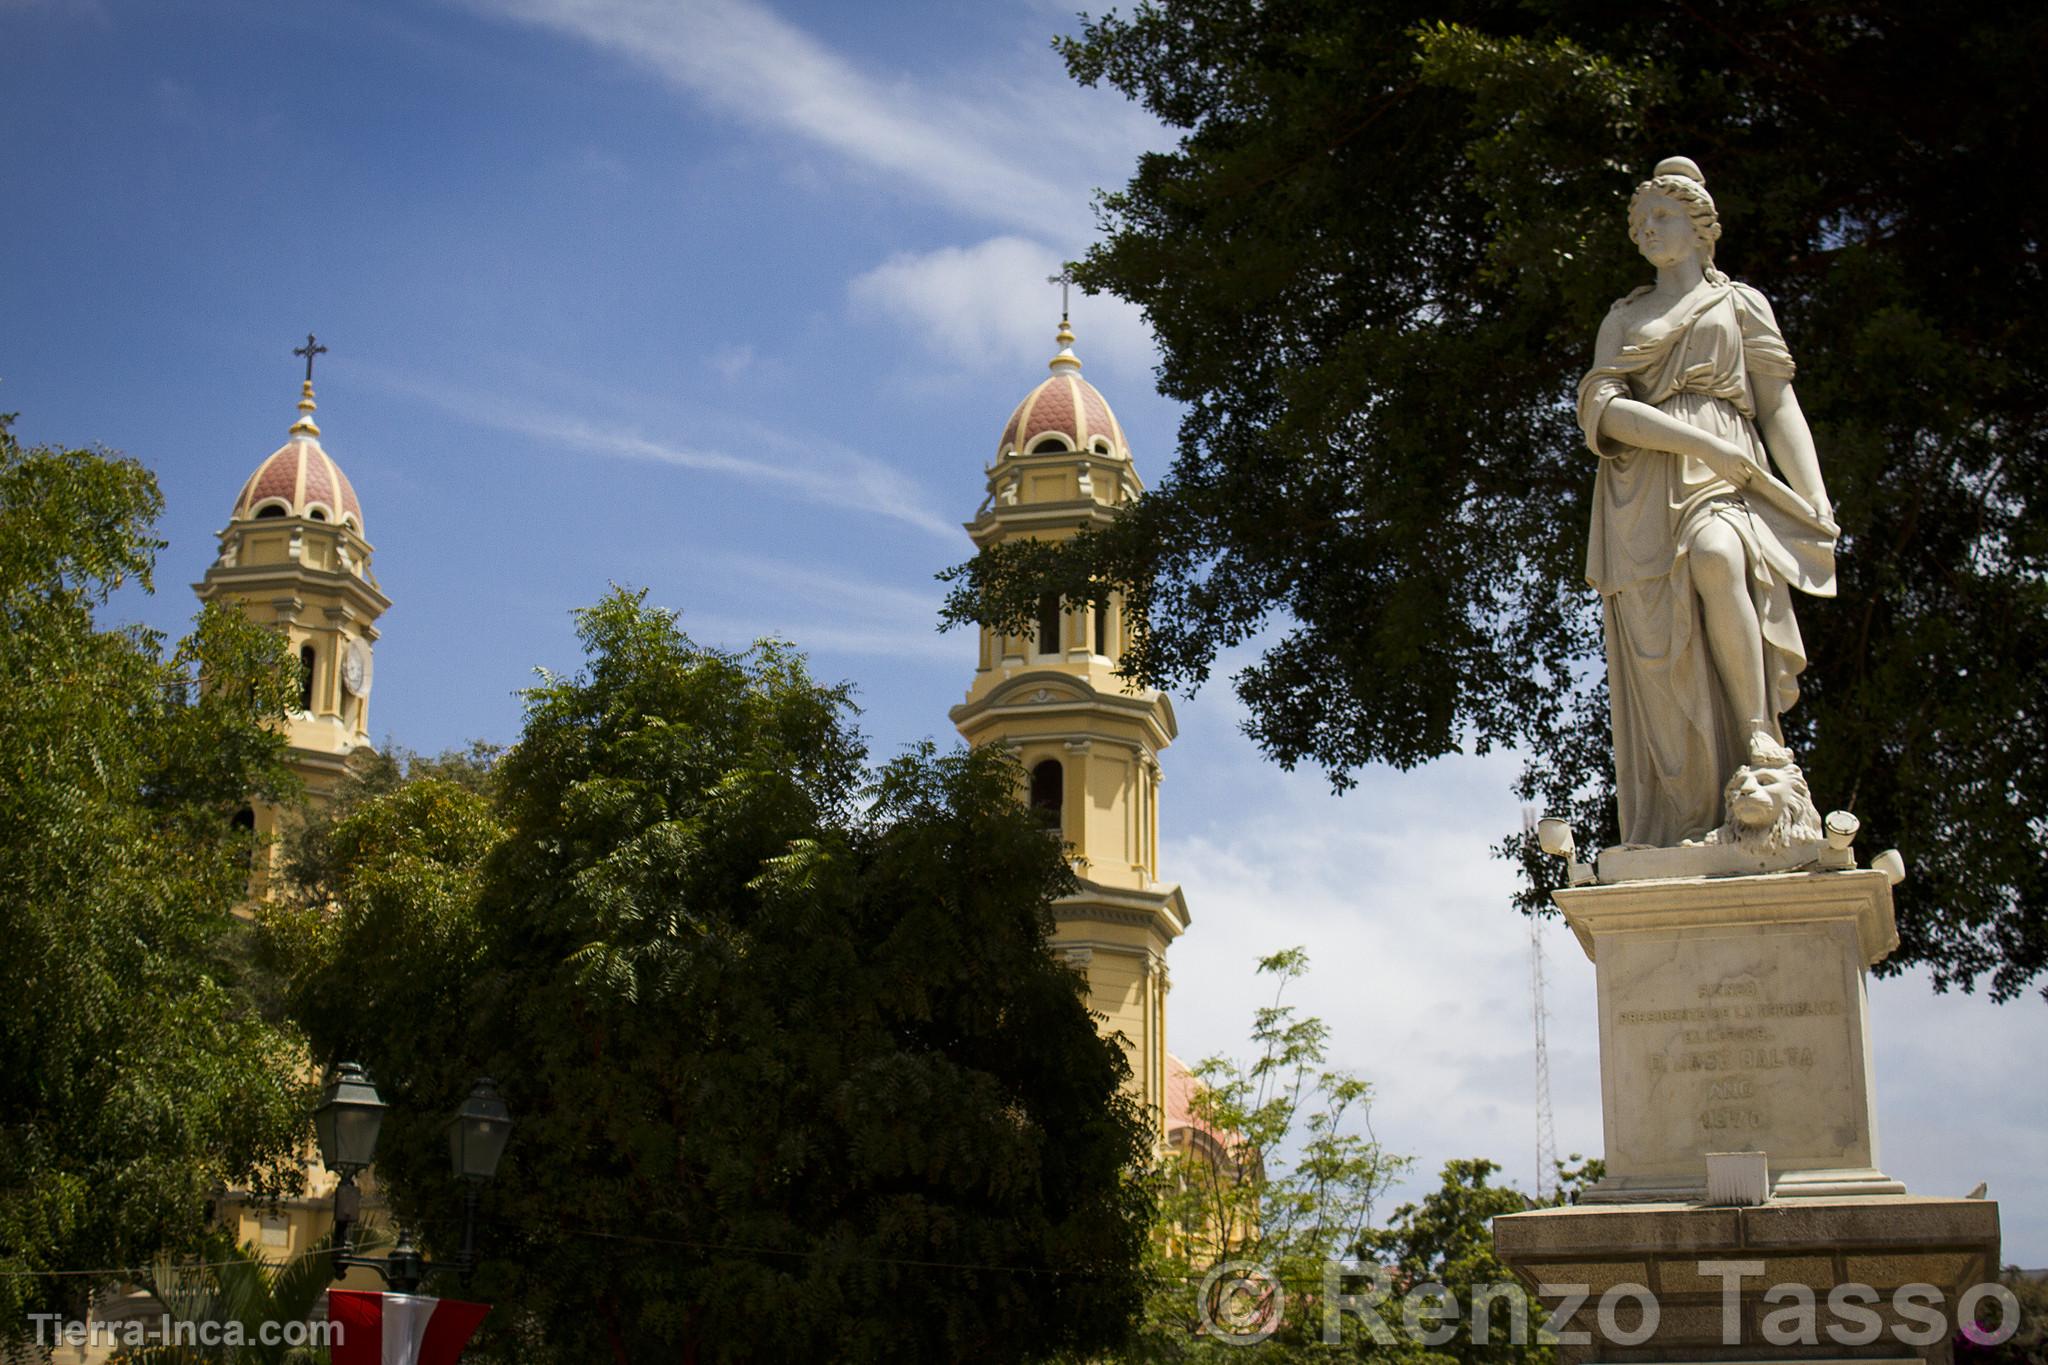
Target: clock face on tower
{"x":355,"y":669}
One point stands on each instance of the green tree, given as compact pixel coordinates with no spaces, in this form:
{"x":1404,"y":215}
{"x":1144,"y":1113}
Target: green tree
{"x":795,"y":1072}
{"x":312,"y":862}
{"x":1375,"y":261}
{"x":1282,"y":1173}
{"x":1441,"y":1251}
{"x":136,"y":1075}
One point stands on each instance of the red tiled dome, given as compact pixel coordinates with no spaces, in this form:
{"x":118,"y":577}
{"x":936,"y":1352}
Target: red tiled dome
{"x":300,"y":476}
{"x":1065,"y":407}
{"x":300,"y":479}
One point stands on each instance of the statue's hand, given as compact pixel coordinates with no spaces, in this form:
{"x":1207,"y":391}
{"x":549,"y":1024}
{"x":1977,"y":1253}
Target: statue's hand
{"x":1729,"y":460}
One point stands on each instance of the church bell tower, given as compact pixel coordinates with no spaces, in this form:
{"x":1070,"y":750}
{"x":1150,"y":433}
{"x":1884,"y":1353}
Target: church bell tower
{"x":1089,"y":742}
{"x":293,"y":556}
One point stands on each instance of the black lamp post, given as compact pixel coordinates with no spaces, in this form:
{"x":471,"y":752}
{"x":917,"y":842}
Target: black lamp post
{"x":347,"y":1123}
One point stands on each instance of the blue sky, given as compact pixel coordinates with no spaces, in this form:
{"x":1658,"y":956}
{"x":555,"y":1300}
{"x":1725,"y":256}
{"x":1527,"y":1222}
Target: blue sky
{"x":729,"y":299}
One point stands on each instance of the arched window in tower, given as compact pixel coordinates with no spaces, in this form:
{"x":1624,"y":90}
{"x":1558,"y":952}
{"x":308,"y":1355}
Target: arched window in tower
{"x":1049,"y":623}
{"x":1102,"y":627}
{"x":308,"y":659}
{"x":1048,"y":792}
{"x":273,"y":510}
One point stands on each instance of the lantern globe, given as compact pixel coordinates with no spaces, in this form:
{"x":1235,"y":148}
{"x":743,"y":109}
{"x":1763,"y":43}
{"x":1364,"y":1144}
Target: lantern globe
{"x":478,"y":1133}
{"x":348,"y":1119}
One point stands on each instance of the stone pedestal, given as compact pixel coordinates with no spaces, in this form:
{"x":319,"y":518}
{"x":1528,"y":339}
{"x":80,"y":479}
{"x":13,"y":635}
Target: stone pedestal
{"x":1733,"y":1017}
{"x":1885,"y":1277}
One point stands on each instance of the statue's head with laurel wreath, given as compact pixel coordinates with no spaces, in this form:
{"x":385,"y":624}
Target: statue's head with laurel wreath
{"x":1680,"y":180}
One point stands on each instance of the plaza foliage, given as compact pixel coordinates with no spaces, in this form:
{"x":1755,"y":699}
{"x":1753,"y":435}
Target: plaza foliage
{"x":1280,"y":1184}
{"x":1280,"y":1171}
{"x":137,"y":1074}
{"x":795,"y":1072}
{"x":1375,"y":260}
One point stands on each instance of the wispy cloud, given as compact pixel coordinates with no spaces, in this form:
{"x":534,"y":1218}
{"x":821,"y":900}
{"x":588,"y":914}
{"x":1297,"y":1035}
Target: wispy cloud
{"x":828,"y":609}
{"x":988,"y":309}
{"x":1024,"y":150}
{"x":883,"y":604}
{"x":1006,"y":140}
{"x":810,"y":468}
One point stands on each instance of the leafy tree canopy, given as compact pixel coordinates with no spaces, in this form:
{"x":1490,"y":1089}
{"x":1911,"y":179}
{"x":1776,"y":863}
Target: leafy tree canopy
{"x":1446,"y":1239}
{"x":795,"y":1072}
{"x":1375,"y":263}
{"x":1267,"y":1209}
{"x":1280,"y":1170}
{"x":314,"y":857}
{"x":136,"y":1075}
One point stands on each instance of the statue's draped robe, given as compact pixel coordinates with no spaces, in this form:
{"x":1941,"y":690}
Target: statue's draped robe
{"x":1676,"y":740}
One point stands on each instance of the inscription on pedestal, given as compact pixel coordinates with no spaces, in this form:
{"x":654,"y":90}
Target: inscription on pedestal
{"x":1765,"y":1052}
{"x":1728,"y":1041}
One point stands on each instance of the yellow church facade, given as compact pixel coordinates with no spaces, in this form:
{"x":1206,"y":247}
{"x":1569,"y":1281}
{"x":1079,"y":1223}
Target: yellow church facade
{"x":1089,"y":743}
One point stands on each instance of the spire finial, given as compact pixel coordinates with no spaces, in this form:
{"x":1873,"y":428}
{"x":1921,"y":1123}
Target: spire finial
{"x":305,"y":425}
{"x":1066,"y":359}
{"x":1064,"y":280}
{"x":309,"y":350}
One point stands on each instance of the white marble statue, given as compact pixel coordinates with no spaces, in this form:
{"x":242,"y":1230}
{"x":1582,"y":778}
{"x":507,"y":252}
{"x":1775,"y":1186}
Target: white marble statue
{"x":1697,"y":545}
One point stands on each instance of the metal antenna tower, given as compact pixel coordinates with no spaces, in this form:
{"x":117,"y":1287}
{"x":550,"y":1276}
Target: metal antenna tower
{"x":1546,"y":1127}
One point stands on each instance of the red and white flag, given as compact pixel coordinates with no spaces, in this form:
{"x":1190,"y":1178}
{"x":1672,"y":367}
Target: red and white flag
{"x":400,"y":1329}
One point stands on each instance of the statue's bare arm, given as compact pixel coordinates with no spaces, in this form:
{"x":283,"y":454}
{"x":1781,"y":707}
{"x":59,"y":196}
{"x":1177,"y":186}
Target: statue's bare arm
{"x":1630,"y":421}
{"x":1789,"y":440}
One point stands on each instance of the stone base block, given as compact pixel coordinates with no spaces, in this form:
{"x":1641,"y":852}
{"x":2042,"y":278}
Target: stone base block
{"x":1885,"y":1277}
{"x":1733,"y":1017}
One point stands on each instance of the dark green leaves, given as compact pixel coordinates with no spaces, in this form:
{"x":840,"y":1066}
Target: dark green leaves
{"x":796,"y":1074}
{"x":137,"y":1076}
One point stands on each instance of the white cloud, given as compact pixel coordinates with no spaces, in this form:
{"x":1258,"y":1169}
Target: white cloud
{"x":834,"y":588}
{"x":732,"y":361}
{"x":1421,"y":966}
{"x":987,"y":308}
{"x":1419,"y":963}
{"x":991,"y":144}
{"x":1011,"y":140}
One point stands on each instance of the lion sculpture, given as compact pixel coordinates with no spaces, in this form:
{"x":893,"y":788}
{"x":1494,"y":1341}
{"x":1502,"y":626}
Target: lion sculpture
{"x":1767,"y":803}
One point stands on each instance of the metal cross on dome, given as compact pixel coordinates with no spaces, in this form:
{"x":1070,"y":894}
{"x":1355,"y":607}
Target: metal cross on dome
{"x":1064,"y":280}
{"x":309,"y":350}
